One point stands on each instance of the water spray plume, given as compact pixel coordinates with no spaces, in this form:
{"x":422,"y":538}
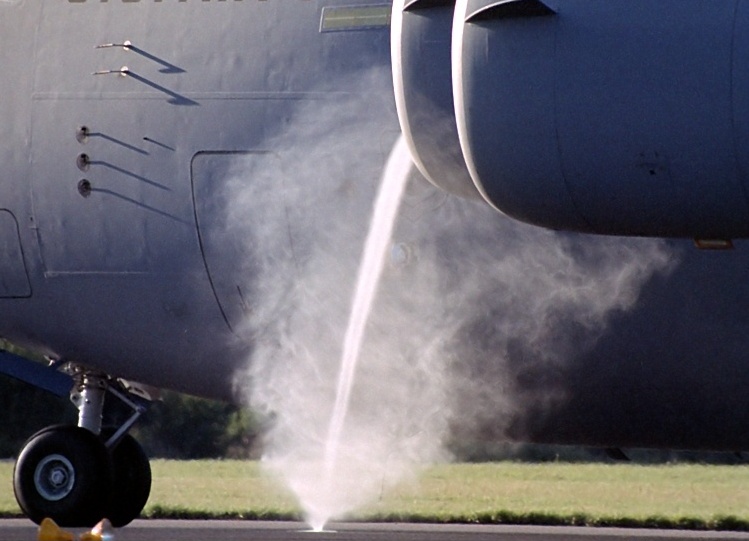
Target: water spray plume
{"x":366,"y":370}
{"x":370,"y":269}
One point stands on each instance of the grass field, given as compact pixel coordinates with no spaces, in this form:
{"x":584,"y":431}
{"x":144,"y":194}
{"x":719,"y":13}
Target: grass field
{"x":691,"y":496}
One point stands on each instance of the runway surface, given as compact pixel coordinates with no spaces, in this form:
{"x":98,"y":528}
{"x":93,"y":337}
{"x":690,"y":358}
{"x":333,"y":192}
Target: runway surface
{"x":213,"y":530}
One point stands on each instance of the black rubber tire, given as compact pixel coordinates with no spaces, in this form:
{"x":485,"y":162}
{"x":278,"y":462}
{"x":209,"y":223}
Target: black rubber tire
{"x":132,"y":481}
{"x":64,"y":473}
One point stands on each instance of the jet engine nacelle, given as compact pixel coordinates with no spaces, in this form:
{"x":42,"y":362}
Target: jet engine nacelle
{"x":626,"y":117}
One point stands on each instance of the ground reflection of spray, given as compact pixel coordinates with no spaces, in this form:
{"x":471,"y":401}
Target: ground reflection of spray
{"x":370,"y":269}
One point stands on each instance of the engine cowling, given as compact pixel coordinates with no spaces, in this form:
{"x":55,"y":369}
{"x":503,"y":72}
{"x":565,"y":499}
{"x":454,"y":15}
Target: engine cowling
{"x":626,"y":117}
{"x":421,"y":45}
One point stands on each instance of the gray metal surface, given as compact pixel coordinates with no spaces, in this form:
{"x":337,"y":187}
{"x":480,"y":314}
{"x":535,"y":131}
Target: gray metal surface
{"x":118,"y":119}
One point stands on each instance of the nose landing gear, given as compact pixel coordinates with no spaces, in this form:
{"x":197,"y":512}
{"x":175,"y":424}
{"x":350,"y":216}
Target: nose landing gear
{"x":78,"y":475}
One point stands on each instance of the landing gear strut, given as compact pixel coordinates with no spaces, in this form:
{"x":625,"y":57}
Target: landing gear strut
{"x":78,"y":475}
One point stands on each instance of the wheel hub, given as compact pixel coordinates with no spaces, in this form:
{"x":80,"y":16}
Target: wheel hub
{"x":54,"y":477}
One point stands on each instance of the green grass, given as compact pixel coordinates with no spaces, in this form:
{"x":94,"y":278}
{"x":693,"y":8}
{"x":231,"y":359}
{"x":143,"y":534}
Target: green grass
{"x":690,"y":496}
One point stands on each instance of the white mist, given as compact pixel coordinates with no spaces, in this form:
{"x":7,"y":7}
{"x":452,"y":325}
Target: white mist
{"x":359,"y":399}
{"x":370,"y":269}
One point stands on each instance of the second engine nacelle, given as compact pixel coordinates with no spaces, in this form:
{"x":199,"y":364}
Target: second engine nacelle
{"x":626,"y":117}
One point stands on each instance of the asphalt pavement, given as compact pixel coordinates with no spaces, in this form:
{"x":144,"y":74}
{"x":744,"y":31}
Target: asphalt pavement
{"x":210,"y":530}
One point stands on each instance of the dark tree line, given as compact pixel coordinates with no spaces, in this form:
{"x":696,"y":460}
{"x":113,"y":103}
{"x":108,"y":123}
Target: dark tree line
{"x":178,"y":426}
{"x":181,"y":426}
{"x":185,"y":427}
{"x":24,"y":409}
